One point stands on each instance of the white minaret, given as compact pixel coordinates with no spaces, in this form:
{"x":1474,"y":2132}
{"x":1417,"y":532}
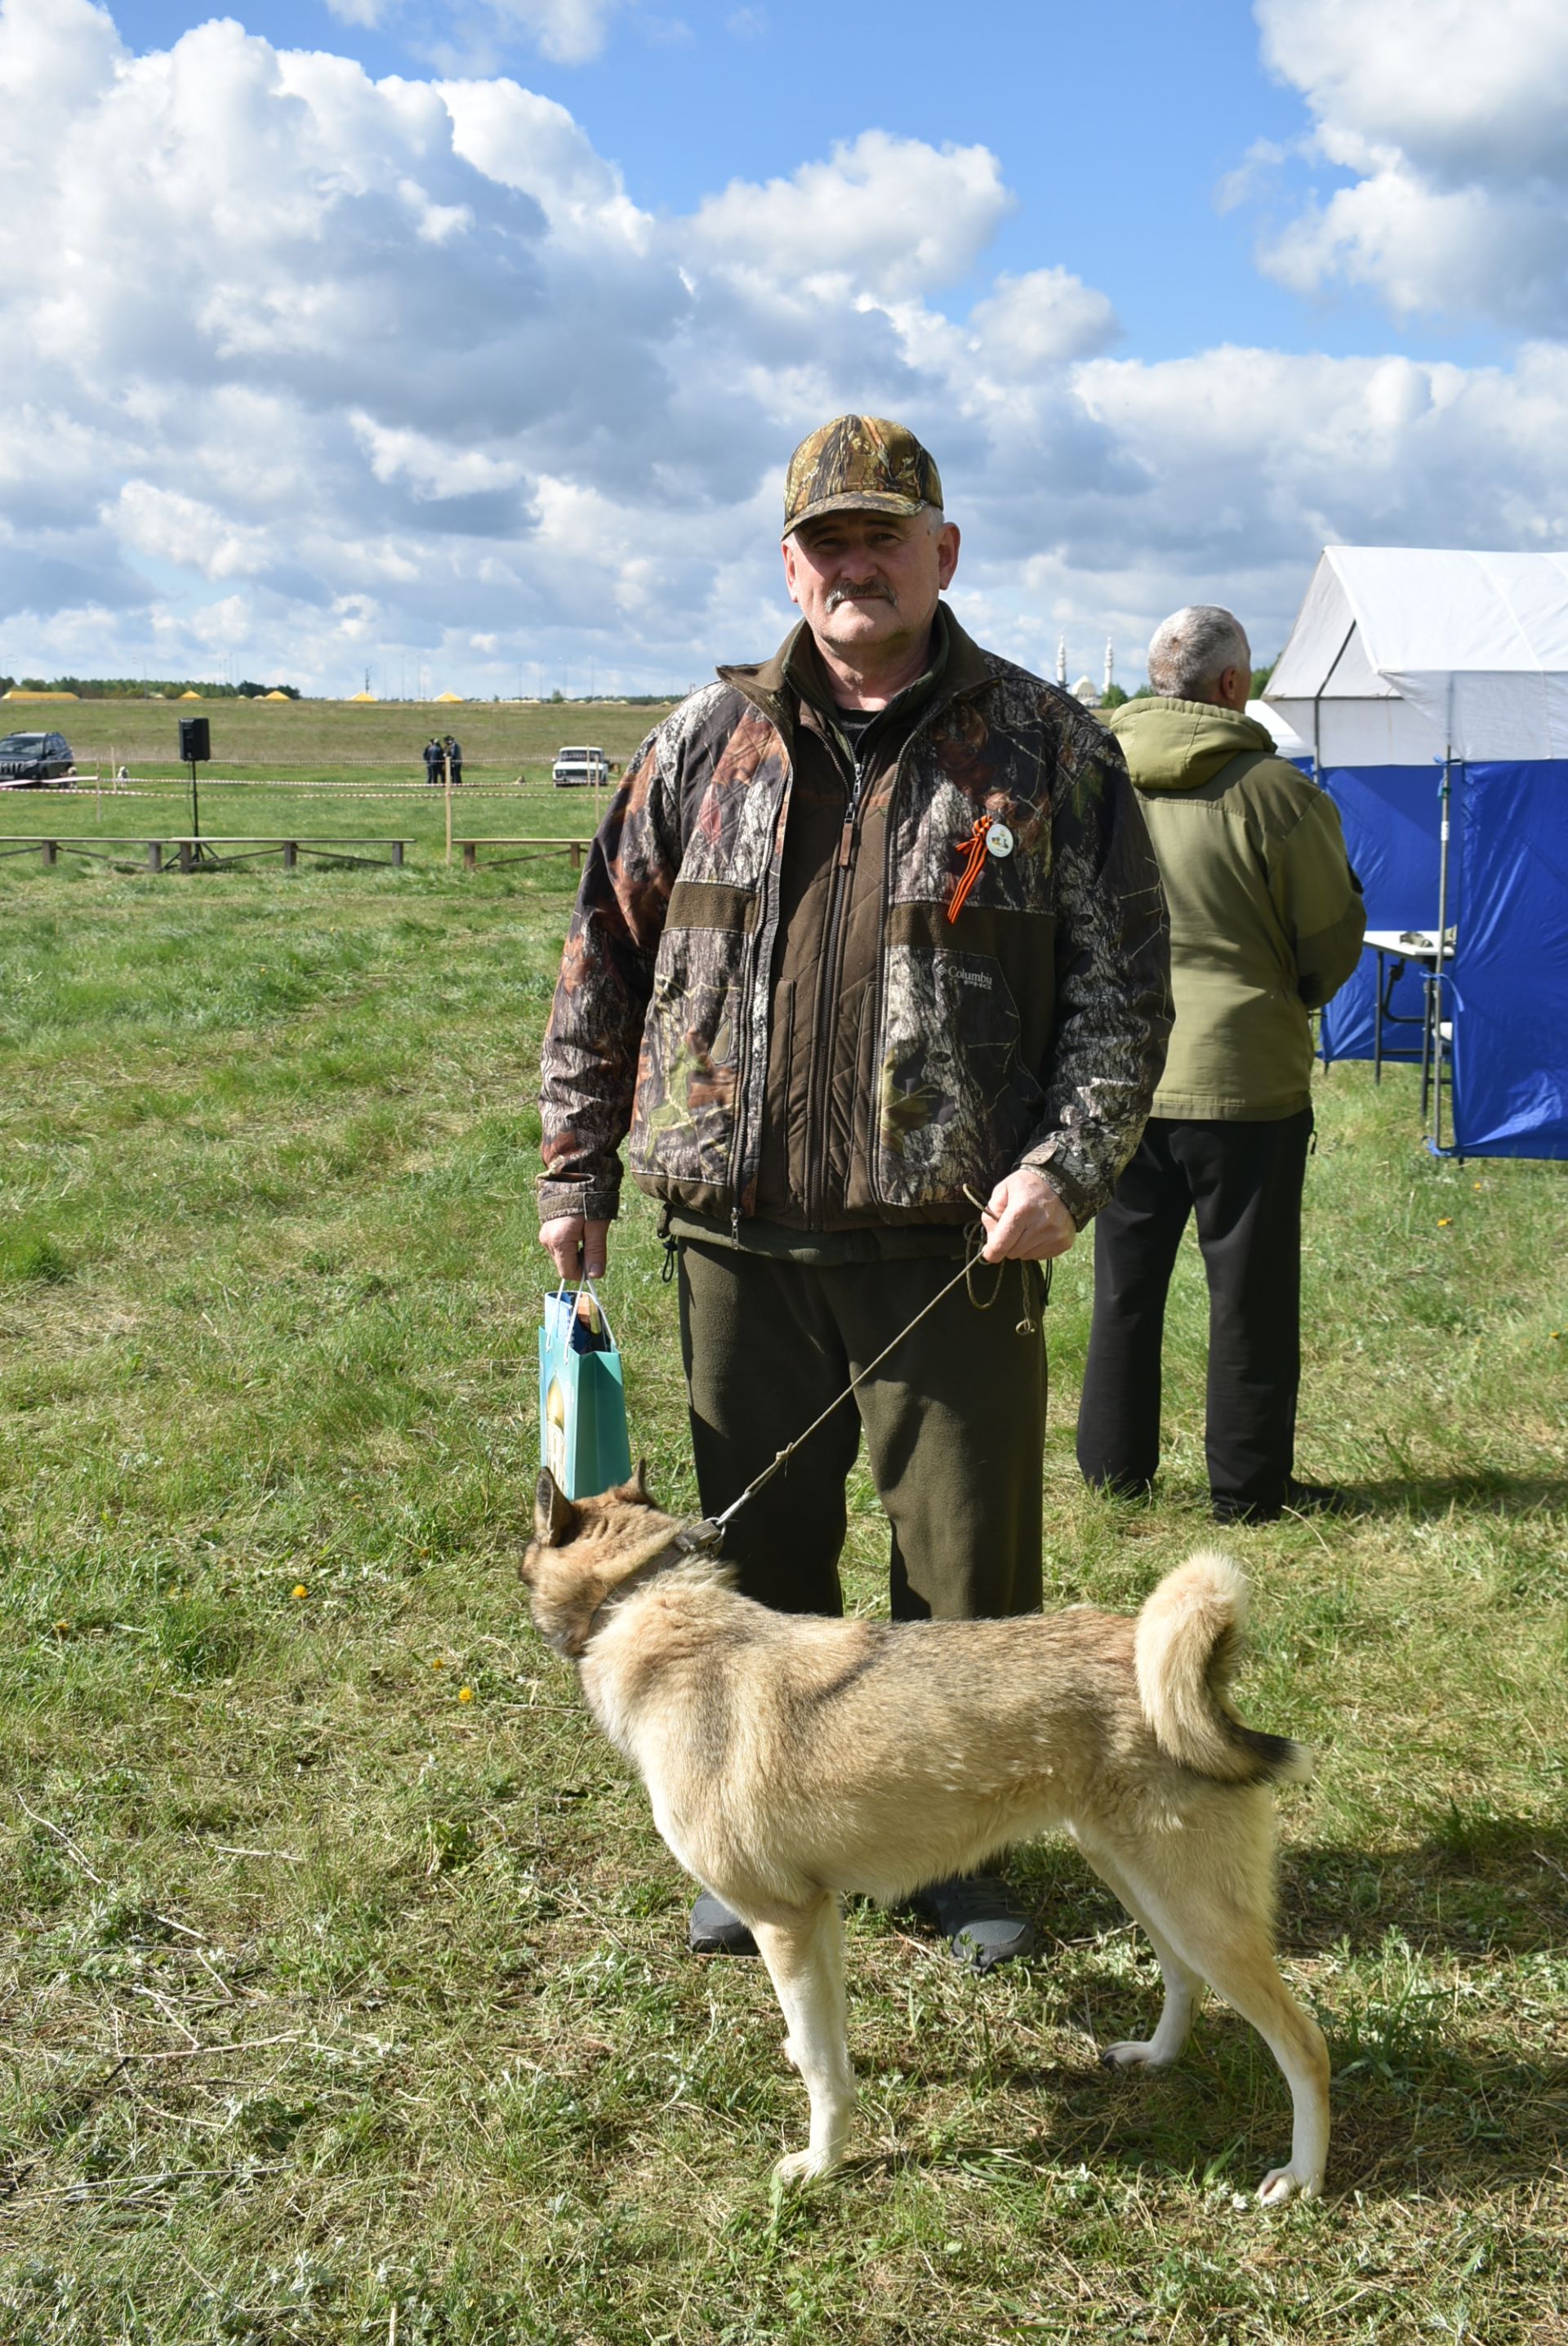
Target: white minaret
{"x":1110,"y":667}
{"x":1061,"y":662}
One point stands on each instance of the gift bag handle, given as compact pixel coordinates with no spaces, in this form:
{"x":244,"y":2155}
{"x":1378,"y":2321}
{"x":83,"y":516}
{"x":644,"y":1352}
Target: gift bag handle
{"x":598,"y":1306}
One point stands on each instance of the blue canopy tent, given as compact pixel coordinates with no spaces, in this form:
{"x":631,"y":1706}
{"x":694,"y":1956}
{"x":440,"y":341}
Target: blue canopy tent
{"x":1431,"y":688}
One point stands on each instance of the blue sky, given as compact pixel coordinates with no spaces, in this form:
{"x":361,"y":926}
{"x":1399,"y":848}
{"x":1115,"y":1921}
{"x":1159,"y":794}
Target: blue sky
{"x":473,"y":337}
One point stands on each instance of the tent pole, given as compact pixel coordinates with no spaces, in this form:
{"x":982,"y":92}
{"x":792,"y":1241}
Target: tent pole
{"x":1318,"y":705}
{"x":1435,"y":981}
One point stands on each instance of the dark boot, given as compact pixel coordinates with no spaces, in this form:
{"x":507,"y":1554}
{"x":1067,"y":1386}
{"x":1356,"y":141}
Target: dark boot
{"x":715,"y":1931}
{"x":979,"y":1917}
{"x":1301,"y":1499}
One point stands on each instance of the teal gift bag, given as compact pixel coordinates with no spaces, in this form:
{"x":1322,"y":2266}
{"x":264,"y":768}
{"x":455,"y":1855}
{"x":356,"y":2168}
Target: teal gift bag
{"x":582,"y":1399}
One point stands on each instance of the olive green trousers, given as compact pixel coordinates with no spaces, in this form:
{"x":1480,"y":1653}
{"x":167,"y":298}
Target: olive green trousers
{"x":954,"y":1424}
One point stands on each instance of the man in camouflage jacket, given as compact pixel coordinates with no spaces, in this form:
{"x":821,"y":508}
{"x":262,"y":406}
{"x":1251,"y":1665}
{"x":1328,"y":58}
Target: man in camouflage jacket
{"x":872,"y":930}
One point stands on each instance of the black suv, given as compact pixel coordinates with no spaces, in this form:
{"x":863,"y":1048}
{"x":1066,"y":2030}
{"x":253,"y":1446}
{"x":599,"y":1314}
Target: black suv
{"x":27,"y":759}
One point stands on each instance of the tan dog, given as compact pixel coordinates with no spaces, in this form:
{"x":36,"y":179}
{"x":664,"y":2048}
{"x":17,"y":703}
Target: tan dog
{"x":790,"y":1759}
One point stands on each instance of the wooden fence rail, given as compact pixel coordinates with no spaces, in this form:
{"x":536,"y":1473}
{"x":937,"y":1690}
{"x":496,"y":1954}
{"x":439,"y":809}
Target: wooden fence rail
{"x":192,"y":854}
{"x":575,"y":848}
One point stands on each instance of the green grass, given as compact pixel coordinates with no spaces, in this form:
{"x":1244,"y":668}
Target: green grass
{"x":116,"y":827}
{"x":326,"y":1995}
{"x":501,"y":738}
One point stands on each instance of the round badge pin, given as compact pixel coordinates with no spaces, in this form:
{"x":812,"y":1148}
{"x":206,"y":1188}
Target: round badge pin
{"x":999,"y":840}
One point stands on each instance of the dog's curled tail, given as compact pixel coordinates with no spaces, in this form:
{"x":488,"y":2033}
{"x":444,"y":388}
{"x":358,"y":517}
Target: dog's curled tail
{"x":1186,"y":1649}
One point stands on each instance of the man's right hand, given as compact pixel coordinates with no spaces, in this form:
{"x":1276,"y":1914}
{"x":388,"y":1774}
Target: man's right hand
{"x":578,"y":1248}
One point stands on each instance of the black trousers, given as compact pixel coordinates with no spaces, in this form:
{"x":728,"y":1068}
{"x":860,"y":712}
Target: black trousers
{"x":955,"y":1425}
{"x":1243,"y":1181}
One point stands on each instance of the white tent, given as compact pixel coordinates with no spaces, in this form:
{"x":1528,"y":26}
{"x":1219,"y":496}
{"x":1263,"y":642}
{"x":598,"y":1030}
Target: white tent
{"x":1400,"y":654}
{"x":1286,"y":740}
{"x":1431,"y":688}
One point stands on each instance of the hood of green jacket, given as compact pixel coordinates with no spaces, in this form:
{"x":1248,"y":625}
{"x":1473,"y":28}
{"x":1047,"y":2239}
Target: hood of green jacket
{"x":1180,"y":745}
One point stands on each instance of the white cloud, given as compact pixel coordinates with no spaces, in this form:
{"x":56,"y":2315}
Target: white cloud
{"x":1034,"y":322}
{"x":1450,"y":118}
{"x":567,"y":32}
{"x":886,"y":216}
{"x":323,"y":368}
{"x":1464,"y":92}
{"x":1262,"y":158}
{"x":432,"y":469}
{"x":175,"y":529}
{"x":532,"y":144}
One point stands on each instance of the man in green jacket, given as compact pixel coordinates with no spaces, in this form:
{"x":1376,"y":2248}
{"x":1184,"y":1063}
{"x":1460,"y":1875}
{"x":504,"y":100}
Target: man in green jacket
{"x":1265,"y":925}
{"x":870,"y":930}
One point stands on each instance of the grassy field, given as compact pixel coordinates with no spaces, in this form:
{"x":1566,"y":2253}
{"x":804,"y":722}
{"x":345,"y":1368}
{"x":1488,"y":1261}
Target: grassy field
{"x":327,"y":738}
{"x":341,"y":1985}
{"x":315,"y":770}
{"x":117,"y":826}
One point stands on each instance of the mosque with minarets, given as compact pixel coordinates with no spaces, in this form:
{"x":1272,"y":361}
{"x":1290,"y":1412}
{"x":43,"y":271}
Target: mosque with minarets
{"x":1085,"y":690}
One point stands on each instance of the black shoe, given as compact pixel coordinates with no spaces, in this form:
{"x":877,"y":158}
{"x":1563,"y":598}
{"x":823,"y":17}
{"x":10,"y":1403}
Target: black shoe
{"x":979,"y":1917}
{"x":715,"y":1931}
{"x":1227,"y":1510}
{"x":1301,"y":1499}
{"x":1320,"y":1499}
{"x":1137,"y":1489}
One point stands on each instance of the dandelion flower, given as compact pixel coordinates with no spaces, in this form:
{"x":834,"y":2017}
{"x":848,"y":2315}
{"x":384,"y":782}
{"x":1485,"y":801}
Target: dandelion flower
{"x":62,"y":1628}
{"x":299,"y":1590}
{"x":438,"y":1664}
{"x":1445,"y":1221}
{"x":465,"y":1694}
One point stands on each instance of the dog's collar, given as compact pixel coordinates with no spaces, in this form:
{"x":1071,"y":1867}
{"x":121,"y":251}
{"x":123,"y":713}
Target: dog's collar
{"x":694,"y":1540}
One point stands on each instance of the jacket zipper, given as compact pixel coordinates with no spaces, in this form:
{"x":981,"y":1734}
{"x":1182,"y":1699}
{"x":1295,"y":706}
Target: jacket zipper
{"x":838,"y":885}
{"x":754,"y":991}
{"x":762,"y":951}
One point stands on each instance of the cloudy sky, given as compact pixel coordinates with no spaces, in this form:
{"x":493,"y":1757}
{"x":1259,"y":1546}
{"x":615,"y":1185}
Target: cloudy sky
{"x":464,"y":342}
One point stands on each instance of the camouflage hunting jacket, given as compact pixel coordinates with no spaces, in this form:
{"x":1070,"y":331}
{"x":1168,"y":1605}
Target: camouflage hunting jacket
{"x":1029,"y":1030}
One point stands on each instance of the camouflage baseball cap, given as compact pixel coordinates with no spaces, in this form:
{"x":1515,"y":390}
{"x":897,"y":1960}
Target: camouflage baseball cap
{"x":859,"y":463}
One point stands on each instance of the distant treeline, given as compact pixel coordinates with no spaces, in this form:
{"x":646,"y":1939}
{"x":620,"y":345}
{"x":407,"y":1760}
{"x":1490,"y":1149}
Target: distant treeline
{"x":141,"y":688}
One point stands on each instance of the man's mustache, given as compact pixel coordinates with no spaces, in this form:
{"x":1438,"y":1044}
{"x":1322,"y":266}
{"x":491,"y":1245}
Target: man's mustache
{"x":871,"y":593}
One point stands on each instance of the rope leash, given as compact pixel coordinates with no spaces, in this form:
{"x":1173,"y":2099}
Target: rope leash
{"x":710,"y":1531}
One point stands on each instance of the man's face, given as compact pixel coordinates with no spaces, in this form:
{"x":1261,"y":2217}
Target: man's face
{"x":869,"y":581}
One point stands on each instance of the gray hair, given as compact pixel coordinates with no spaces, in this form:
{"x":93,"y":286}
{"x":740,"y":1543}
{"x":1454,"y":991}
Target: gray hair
{"x":1191,"y":650}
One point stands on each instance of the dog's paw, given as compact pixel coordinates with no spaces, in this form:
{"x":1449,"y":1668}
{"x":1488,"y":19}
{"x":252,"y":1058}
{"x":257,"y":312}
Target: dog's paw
{"x":1133,"y":2053}
{"x":1282,"y":2183}
{"x":803,"y":2166}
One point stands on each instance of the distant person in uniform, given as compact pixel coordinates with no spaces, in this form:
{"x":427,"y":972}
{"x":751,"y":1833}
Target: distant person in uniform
{"x":432,"y":756}
{"x":1265,"y":920}
{"x":454,"y":758}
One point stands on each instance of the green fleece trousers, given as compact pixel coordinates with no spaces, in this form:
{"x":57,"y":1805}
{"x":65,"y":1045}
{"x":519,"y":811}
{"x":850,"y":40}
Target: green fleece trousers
{"x":954,"y":1424}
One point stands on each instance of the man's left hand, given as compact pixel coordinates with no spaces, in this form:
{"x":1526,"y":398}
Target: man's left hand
{"x":1025,"y":1220}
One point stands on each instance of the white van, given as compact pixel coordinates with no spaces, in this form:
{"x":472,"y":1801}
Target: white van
{"x":579,"y":769}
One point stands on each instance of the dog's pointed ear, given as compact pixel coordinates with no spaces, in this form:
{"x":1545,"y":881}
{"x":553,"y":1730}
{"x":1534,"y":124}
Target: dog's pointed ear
{"x":555,"y":1517}
{"x":637,"y":1488}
